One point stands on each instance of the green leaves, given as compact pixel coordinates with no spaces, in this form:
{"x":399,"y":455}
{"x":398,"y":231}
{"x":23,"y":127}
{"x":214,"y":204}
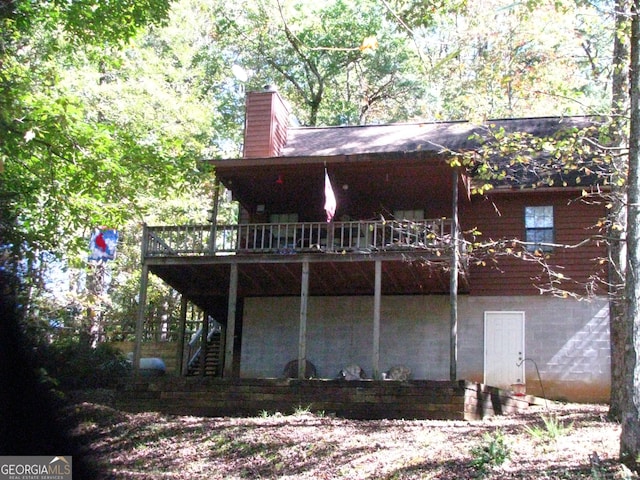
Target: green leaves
{"x":99,"y":22}
{"x":322,"y":57}
{"x":492,"y":452}
{"x":76,"y":147}
{"x":571,"y":157}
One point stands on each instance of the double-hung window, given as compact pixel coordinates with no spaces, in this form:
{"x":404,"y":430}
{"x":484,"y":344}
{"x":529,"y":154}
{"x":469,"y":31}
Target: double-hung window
{"x":539,"y":230}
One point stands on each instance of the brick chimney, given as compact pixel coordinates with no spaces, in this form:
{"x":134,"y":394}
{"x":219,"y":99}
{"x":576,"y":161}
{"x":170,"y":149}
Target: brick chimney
{"x":265,"y":126}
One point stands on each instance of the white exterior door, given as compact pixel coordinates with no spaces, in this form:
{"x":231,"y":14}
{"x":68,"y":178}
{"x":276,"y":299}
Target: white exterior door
{"x":503,"y":348}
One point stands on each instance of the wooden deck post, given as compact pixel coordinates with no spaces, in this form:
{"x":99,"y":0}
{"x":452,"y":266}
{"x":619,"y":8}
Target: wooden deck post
{"x":142,"y":305}
{"x":182,"y":325}
{"x":453,"y":287}
{"x":231,"y":321}
{"x":214,"y":217}
{"x":302,"y":336}
{"x":376,"y":319}
{"x":223,"y":349}
{"x":204,"y":344}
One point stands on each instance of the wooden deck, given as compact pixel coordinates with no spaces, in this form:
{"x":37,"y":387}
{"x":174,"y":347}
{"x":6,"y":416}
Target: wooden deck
{"x":415,"y":257}
{"x":366,"y":399}
{"x":433,"y":235}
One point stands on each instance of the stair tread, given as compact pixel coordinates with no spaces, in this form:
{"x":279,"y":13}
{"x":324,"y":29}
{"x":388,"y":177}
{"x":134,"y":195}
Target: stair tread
{"x":212,"y":358}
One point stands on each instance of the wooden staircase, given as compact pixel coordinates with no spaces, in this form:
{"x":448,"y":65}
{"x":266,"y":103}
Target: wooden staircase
{"x":212,"y":358}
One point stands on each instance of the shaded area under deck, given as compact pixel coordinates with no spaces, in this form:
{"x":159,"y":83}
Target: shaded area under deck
{"x":364,"y":258}
{"x":202,"y":279}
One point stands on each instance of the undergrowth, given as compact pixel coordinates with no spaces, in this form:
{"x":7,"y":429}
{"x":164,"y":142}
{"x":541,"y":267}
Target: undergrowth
{"x":551,"y":429}
{"x":492,"y":452}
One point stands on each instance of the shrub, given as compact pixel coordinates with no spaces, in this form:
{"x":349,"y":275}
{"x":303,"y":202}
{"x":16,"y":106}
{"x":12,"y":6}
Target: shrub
{"x":492,"y":452}
{"x":75,"y":365}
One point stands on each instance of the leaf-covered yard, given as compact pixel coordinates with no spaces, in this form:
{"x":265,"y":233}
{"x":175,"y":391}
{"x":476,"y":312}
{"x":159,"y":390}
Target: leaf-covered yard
{"x":576,"y":442}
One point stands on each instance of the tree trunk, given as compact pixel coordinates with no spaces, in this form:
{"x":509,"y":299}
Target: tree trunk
{"x":616,"y":216}
{"x":630,"y":436}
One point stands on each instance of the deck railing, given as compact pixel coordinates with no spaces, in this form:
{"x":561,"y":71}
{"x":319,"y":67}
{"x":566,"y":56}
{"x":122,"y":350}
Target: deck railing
{"x":291,"y":238}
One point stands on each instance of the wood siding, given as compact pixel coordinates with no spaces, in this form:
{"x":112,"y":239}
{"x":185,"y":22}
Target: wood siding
{"x":265,"y":125}
{"x":501,"y":216}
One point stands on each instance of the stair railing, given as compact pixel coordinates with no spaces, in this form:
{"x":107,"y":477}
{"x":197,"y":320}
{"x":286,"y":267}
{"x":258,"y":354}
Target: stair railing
{"x":193,"y":349}
{"x":195,"y":344}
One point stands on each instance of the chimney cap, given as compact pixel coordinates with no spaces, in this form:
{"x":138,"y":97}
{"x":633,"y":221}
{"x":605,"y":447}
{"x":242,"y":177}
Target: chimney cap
{"x":270,"y":88}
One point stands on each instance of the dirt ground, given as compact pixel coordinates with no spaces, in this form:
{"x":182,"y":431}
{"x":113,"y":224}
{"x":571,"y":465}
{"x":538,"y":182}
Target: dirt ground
{"x":576,"y":441}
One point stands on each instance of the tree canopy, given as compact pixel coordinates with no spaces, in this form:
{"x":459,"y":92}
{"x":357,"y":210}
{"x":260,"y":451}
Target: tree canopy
{"x":343,"y":62}
{"x":88,"y":120}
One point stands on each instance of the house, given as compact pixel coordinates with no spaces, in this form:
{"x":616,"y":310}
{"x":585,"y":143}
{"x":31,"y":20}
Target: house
{"x":392,"y":282}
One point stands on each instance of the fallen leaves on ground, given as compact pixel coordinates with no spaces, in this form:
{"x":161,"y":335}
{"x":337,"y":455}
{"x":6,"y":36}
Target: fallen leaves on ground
{"x":577,"y":441}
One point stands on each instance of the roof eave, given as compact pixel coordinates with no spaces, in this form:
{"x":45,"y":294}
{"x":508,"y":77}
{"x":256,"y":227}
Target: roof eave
{"x":546,"y":189}
{"x":233,"y":163}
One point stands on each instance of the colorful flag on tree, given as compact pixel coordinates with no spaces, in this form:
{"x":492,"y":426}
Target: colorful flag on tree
{"x":102,"y":246}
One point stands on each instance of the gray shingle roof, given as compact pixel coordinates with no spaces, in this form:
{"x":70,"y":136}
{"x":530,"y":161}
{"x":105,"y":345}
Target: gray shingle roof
{"x":433,"y":137}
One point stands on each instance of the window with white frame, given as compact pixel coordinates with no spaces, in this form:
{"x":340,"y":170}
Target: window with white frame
{"x":539,"y":228}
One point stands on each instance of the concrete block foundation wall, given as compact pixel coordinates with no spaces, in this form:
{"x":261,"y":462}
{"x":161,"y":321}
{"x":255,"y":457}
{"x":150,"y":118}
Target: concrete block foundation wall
{"x":567,"y":339}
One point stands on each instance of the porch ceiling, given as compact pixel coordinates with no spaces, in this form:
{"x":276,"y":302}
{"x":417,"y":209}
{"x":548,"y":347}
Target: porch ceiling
{"x":201,"y":279}
{"x":373,"y":182}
